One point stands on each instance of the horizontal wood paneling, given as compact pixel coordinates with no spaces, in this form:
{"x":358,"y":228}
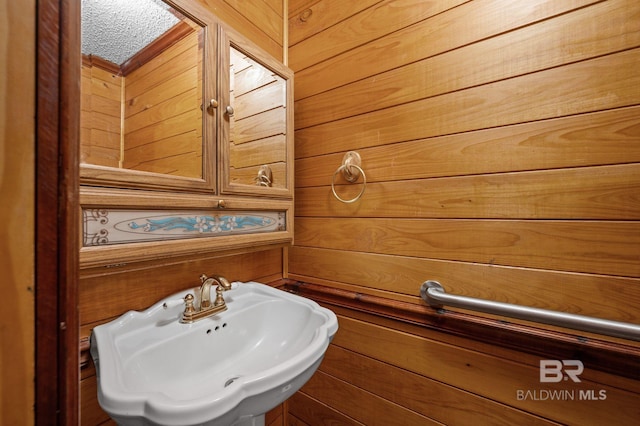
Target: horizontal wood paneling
{"x":364,"y":407}
{"x":383,"y":18}
{"x":266,"y":13}
{"x":401,"y":277}
{"x":543,"y":95}
{"x":464,"y":373}
{"x":163,"y":112}
{"x":611,"y":193}
{"x":259,"y":21}
{"x":309,"y":17}
{"x":100,"y":116}
{"x":560,"y":245}
{"x":256,"y":137}
{"x":606,"y":137}
{"x":555,"y":42}
{"x":442,"y":33}
{"x":108,"y":292}
{"x":500,"y":144}
{"x":610,"y":362}
{"x":304,"y":410}
{"x":446,"y":403}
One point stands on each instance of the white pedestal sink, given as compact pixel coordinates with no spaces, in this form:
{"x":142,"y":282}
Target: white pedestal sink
{"x":228,"y":369}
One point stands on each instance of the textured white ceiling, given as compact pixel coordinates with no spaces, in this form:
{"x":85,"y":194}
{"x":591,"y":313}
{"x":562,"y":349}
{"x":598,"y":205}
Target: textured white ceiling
{"x":115,"y":30}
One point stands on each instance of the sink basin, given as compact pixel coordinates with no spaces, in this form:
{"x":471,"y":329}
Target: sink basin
{"x":228,"y":369}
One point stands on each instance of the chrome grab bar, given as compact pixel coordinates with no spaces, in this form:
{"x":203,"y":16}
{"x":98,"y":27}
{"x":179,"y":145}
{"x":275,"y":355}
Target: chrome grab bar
{"x":433,"y":293}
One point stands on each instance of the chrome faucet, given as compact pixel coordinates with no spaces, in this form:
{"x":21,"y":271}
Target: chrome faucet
{"x":206,"y":308}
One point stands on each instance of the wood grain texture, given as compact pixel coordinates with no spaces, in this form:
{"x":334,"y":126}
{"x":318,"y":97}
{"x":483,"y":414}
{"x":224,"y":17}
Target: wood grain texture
{"x":163,"y":131}
{"x":354,"y":402}
{"x":106,"y":293}
{"x":471,"y":371}
{"x":500,"y":145}
{"x":611,"y":359}
{"x":397,"y":277}
{"x":430,"y":37}
{"x":262,"y":117}
{"x":559,"y":245}
{"x":554,"y":42}
{"x":589,"y":193}
{"x":361,"y":26}
{"x":100,"y":116}
{"x":256,"y":20}
{"x":547,"y":94}
{"x":57,"y":213}
{"x":17,"y":216}
{"x":600,"y":138}
{"x":430,"y":398}
{"x":305,"y":411}
{"x":309,"y":17}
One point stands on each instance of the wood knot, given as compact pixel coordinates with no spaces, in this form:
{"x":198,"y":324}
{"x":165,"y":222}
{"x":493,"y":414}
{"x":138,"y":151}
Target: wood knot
{"x":305,"y":15}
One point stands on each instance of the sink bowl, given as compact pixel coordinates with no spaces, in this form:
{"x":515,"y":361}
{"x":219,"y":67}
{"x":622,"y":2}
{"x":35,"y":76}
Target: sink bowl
{"x":228,"y":369}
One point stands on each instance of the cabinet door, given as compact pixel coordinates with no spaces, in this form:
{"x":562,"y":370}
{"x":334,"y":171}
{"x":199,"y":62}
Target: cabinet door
{"x":256,"y":121}
{"x":149,"y":75}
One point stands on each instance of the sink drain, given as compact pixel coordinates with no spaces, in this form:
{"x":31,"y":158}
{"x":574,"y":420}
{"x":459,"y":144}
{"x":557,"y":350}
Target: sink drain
{"x":231,"y":380}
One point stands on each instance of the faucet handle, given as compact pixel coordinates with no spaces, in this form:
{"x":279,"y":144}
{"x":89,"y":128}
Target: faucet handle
{"x":219,"y":299}
{"x":188,"y":304}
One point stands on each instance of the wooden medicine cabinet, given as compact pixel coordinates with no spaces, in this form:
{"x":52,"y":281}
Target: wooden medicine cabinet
{"x":186,"y":135}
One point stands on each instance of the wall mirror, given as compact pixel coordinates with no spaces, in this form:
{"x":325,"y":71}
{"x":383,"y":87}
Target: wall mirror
{"x":256,"y":155}
{"x":147,"y":77}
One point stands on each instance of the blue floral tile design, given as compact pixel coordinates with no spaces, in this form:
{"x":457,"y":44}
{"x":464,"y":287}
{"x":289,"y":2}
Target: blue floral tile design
{"x":103,"y":226}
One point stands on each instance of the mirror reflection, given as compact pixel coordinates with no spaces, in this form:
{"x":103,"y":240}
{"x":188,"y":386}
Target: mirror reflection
{"x":258,"y":124}
{"x":142,"y":88}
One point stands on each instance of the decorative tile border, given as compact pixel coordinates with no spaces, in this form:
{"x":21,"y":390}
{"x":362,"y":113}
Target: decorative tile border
{"x":112,"y":226}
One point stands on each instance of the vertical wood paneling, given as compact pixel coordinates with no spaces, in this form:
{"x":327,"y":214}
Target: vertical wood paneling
{"x":17,"y":221}
{"x":501,"y":145}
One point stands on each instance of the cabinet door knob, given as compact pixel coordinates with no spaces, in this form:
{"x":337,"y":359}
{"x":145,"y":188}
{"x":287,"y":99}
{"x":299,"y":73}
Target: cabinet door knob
{"x":221,"y":204}
{"x":229,"y":110}
{"x":212,"y":104}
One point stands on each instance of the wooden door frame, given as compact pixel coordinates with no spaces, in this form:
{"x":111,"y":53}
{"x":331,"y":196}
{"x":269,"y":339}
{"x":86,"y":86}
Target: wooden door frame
{"x":57,"y":212}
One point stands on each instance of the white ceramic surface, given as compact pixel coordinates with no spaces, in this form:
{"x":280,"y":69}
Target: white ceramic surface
{"x":222,"y":370}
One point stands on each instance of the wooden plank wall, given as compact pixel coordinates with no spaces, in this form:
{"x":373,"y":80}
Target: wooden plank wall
{"x":109,"y":292}
{"x":261,"y":21}
{"x":258,"y":97}
{"x":163,"y":114}
{"x":18,"y":49}
{"x":501,"y":145}
{"x":100,"y":116}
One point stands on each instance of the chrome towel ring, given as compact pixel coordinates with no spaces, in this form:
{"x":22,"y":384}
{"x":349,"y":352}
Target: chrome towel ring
{"x":350,"y":161}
